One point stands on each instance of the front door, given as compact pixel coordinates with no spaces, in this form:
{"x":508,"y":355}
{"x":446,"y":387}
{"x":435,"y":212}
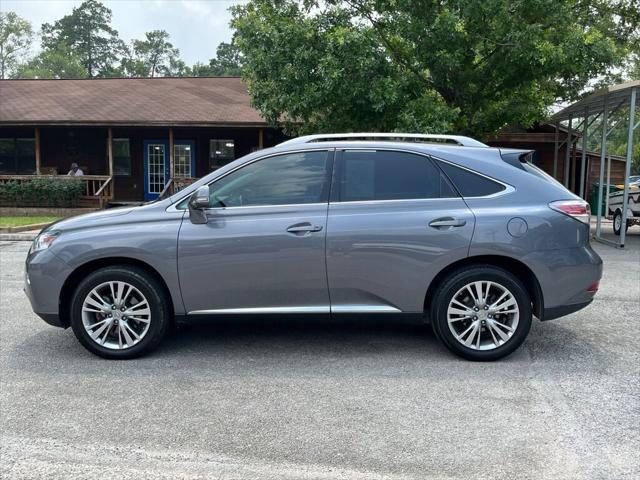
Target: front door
{"x":263,"y":248}
{"x":156,"y":167}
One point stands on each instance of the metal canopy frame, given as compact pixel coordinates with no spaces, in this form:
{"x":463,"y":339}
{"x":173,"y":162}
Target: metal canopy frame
{"x":603,"y":103}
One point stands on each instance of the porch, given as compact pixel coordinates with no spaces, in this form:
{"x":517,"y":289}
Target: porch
{"x":125,"y":163}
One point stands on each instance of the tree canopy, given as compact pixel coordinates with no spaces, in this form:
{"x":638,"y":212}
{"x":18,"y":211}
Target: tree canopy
{"x":470,"y":66}
{"x":16,"y":36}
{"x":84,"y":44}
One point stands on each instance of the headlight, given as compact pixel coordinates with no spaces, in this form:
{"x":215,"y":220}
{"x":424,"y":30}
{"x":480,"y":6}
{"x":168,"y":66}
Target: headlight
{"x":44,"y":240}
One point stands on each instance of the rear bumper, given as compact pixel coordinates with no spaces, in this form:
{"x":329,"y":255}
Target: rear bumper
{"x":561,"y":311}
{"x":565,"y":277}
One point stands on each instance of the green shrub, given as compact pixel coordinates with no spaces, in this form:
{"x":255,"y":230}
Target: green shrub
{"x":42,"y":192}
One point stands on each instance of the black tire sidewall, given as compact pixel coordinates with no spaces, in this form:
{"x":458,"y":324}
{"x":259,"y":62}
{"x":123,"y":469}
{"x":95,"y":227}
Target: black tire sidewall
{"x":615,"y":216}
{"x":149,"y":287}
{"x":459,"y":279}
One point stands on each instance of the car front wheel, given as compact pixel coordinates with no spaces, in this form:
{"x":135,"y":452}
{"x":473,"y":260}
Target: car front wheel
{"x":481,"y":313}
{"x":119,"y":312}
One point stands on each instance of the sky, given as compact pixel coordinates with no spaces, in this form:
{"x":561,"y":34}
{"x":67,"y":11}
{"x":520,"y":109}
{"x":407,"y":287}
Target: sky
{"x":196,"y":27}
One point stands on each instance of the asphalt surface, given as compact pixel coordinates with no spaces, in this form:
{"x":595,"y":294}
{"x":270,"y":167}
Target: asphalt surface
{"x":303,"y":400}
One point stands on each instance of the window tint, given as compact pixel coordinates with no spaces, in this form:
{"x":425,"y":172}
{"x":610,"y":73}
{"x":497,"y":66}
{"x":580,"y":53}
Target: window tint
{"x":386,"y":175}
{"x":470,"y":184}
{"x":285,"y":179}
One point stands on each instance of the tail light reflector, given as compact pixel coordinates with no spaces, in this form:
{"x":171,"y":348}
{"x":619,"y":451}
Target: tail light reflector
{"x":593,"y":288}
{"x":577,"y":209}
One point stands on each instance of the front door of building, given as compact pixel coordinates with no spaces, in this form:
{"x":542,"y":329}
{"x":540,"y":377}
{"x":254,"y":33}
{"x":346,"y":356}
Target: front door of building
{"x":156,"y":167}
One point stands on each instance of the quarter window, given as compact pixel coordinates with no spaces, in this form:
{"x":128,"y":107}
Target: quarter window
{"x":470,"y":184}
{"x":294,"y":178}
{"x":388,"y":175}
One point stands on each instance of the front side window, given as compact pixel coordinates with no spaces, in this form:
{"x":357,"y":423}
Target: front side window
{"x":294,"y":178}
{"x":121,"y":156}
{"x":221,"y":152}
{"x":387,"y":175}
{"x":17,"y":156}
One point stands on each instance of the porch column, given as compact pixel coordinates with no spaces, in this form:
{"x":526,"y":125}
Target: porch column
{"x":261,"y":138}
{"x":110,"y":150}
{"x":37,"y":147}
{"x":171,"y":161}
{"x":555,"y":151}
{"x":583,"y":162}
{"x":567,"y":160}
{"x":627,"y":168}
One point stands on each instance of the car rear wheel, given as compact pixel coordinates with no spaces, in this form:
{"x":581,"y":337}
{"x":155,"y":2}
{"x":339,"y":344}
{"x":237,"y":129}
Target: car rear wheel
{"x":119,"y":312}
{"x":481,"y":313}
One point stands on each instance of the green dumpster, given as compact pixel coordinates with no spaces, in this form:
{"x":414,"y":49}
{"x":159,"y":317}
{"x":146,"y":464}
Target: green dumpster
{"x":593,"y":201}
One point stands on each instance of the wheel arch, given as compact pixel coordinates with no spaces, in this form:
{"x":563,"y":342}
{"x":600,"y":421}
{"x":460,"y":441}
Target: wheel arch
{"x":518,"y":268}
{"x":80,"y":272}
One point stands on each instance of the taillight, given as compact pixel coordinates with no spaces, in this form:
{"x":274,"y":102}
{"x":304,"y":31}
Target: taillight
{"x":593,"y":288}
{"x":577,"y":209}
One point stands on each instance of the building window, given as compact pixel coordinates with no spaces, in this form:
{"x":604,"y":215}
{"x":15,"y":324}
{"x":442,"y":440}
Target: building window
{"x":121,"y":157}
{"x":17,"y":156}
{"x":182,"y":155}
{"x":221,"y":152}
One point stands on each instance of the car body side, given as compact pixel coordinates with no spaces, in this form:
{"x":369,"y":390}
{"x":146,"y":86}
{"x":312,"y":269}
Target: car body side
{"x":515,"y":229}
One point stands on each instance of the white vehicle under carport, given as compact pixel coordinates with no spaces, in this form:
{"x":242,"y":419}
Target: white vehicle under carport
{"x":633,"y":207}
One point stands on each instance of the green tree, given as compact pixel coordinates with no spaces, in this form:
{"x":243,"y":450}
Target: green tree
{"x":16,"y":36}
{"x":87,"y":32}
{"x":60,"y":62}
{"x":227,"y":63}
{"x":154,"y":56}
{"x":469,"y":66}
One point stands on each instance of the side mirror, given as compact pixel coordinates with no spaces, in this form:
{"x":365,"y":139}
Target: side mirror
{"x":198,"y":203}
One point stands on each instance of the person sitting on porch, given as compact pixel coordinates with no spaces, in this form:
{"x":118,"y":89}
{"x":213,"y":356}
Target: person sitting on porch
{"x":75,"y":170}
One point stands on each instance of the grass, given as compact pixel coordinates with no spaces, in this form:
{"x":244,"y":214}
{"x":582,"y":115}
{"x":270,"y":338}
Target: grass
{"x":20,"y":221}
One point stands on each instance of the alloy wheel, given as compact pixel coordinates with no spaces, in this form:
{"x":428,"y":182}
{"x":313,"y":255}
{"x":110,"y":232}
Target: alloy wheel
{"x":483,"y":315}
{"x":116,"y":315}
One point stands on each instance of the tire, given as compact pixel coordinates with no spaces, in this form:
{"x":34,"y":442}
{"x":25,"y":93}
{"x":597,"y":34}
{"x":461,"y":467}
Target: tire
{"x":492,"y":322}
{"x":128,"y":331}
{"x":617,"y":223}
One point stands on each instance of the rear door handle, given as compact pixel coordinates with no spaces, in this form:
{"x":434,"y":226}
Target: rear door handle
{"x":447,"y":222}
{"x":304,"y":228}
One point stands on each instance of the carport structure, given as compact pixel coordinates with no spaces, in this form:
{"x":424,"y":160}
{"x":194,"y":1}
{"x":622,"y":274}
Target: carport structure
{"x":617,"y":102}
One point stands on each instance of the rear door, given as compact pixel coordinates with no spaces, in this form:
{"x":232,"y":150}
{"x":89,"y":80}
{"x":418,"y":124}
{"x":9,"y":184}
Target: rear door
{"x":394,"y":222}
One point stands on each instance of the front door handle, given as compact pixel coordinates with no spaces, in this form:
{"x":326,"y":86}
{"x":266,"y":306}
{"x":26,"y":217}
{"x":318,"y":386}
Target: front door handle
{"x":302,"y":228}
{"x":445,"y":222}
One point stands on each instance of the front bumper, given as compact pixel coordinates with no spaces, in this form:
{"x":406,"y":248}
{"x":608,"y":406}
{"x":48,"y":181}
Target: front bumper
{"x":44,"y":277}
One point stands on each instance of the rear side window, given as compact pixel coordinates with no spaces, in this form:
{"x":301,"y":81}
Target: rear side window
{"x":470,"y":184}
{"x":388,"y":175}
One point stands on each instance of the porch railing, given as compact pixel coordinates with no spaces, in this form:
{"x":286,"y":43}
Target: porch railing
{"x":98,"y":188}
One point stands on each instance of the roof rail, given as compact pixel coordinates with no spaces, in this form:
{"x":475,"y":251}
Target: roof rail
{"x":458,"y":140}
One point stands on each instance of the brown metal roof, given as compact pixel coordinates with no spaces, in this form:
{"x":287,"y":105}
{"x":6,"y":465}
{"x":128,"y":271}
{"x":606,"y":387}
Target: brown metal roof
{"x":128,"y":101}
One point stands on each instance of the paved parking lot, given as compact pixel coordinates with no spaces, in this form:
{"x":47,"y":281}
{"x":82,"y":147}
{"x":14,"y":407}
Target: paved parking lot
{"x":294,"y":400}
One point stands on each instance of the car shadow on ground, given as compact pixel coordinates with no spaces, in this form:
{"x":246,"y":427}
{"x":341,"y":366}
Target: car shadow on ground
{"x":298,"y":342}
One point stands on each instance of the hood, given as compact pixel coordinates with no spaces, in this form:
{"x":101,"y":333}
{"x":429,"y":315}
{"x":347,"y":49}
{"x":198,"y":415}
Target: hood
{"x":103,"y":217}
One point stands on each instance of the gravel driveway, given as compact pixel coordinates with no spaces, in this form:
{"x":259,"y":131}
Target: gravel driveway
{"x":299,"y":399}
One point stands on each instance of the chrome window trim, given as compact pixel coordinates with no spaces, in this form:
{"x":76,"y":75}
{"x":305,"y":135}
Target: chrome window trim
{"x":507,"y":190}
{"x":173,"y":207}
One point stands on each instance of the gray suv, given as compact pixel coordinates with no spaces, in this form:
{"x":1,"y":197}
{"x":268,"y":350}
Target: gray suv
{"x":471,"y":239}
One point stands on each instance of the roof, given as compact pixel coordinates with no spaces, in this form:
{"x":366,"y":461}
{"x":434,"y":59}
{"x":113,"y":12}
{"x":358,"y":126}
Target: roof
{"x":128,"y":101}
{"x":612,"y":96}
